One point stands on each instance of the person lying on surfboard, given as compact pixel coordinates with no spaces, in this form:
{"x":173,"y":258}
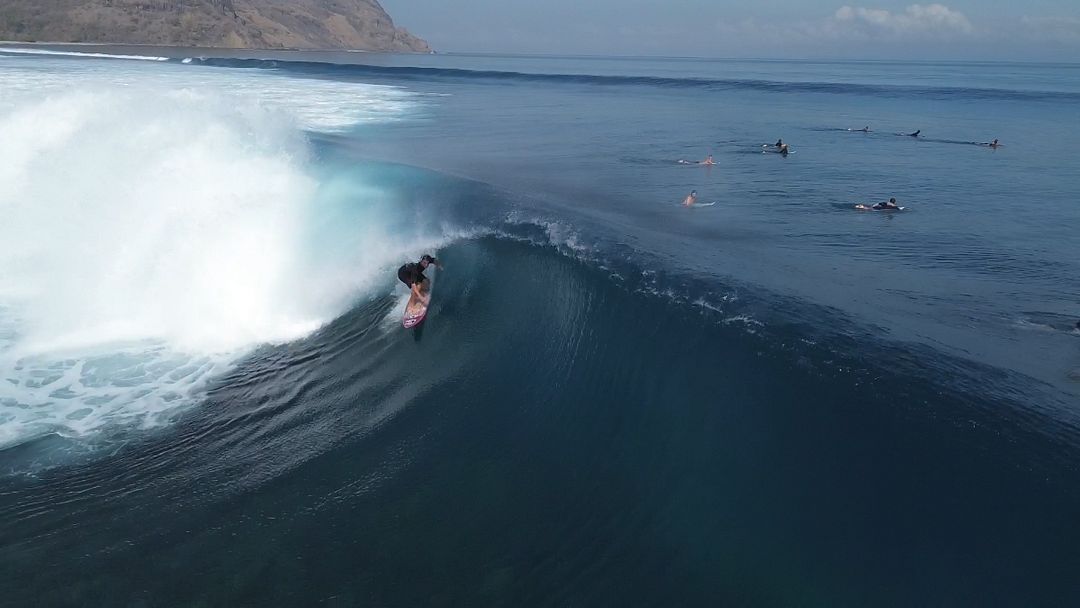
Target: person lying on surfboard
{"x":708,"y":161}
{"x":412,"y":274}
{"x":886,"y":205}
{"x":889,"y":205}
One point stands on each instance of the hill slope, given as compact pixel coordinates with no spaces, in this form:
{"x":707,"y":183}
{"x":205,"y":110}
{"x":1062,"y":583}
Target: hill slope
{"x":305,"y":24}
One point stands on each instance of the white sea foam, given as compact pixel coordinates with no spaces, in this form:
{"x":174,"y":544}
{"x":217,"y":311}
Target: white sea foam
{"x":322,"y":105}
{"x":157,"y":225}
{"x":27,"y":51}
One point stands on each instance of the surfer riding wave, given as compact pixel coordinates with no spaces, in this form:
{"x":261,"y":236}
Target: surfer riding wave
{"x":412,"y":275}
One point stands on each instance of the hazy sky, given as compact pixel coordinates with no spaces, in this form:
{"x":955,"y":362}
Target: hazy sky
{"x":960,"y":29}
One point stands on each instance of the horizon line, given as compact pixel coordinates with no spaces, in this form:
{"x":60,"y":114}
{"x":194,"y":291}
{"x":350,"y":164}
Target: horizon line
{"x":536,"y":55}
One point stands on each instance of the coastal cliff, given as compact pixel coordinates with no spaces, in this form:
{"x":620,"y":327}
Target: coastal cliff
{"x":265,"y":24}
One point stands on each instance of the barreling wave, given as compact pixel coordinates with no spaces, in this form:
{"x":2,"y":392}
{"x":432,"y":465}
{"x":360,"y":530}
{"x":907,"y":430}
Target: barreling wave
{"x":153,"y":237}
{"x":427,"y":74}
{"x":533,"y":348}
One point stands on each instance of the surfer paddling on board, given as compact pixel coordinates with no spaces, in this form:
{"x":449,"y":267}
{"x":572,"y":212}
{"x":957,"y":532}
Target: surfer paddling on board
{"x":412,"y":274}
{"x":781,"y":147}
{"x":708,"y":161}
{"x":915,"y":134}
{"x":887,"y":205}
{"x":690,"y":199}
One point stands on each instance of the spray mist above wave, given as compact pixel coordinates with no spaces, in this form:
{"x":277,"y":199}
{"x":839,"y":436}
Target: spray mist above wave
{"x":320,"y":105}
{"x":151,"y":237}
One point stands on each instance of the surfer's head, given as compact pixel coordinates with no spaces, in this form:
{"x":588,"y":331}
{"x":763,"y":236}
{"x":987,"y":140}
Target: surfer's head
{"x":892,"y":200}
{"x":426,"y":260}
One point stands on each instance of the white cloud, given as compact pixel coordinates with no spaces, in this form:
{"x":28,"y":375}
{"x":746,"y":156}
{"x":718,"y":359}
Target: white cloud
{"x":857,"y":26}
{"x":931,"y":31}
{"x":916,"y":19}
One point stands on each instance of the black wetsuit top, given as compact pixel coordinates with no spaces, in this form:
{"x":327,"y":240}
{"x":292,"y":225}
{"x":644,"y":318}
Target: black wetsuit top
{"x":411,"y":274}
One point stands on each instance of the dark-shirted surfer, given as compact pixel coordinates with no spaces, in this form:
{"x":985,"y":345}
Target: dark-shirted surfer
{"x":781,"y":147}
{"x":887,"y":205}
{"x":915,"y":134}
{"x":412,"y":274}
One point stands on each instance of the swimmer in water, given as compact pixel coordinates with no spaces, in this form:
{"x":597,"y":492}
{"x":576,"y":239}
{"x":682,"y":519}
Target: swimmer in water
{"x":690,"y":199}
{"x":915,"y":134}
{"x":708,"y":161}
{"x":781,"y":147}
{"x":993,"y":144}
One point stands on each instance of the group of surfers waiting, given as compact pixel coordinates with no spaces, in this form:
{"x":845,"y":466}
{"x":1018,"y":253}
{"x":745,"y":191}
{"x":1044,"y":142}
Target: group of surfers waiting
{"x":782,"y":148}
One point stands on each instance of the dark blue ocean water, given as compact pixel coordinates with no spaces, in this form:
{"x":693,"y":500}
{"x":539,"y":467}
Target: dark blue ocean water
{"x":773,"y":400}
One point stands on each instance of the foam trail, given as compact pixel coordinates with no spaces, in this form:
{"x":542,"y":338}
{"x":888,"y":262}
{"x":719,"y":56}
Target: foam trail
{"x":26,"y":51}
